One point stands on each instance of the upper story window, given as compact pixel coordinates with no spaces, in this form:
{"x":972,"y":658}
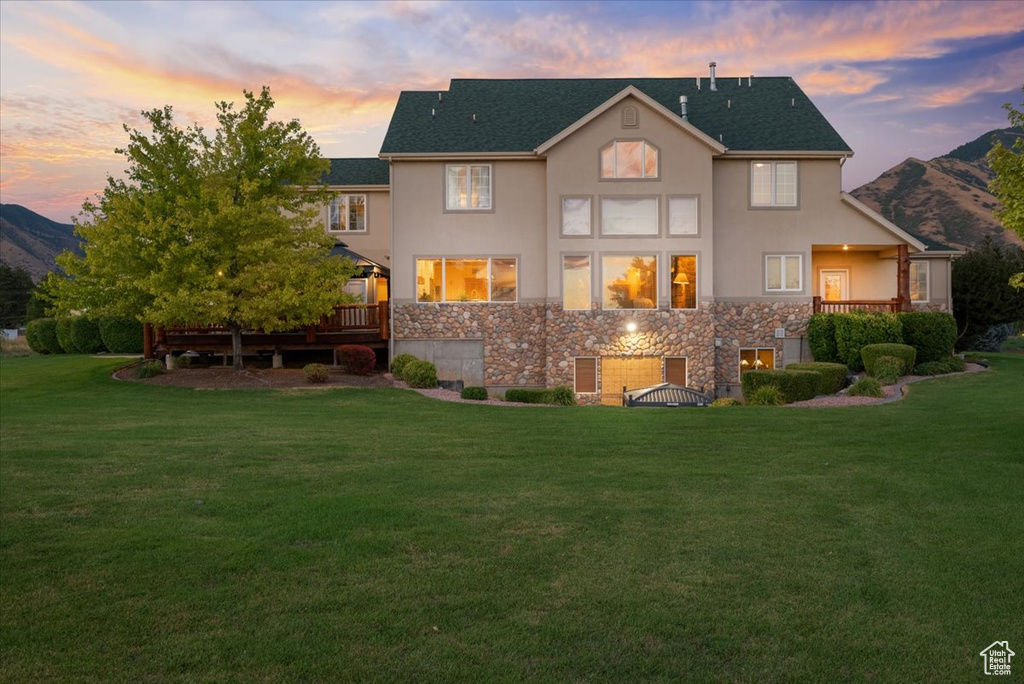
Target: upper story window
{"x":919,"y":281}
{"x":347,"y":214}
{"x":629,"y":159}
{"x":773,"y":184}
{"x":468,"y":187}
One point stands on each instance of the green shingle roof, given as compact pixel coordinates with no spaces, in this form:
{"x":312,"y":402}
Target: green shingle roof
{"x":358,"y":171}
{"x":518,"y":115}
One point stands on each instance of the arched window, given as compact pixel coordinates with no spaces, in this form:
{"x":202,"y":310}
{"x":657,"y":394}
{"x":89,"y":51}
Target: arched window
{"x":629,"y":159}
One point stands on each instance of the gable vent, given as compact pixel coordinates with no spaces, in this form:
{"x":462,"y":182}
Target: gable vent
{"x":630,"y":117}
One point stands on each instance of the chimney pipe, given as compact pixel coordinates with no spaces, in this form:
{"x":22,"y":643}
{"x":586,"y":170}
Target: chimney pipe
{"x":682,"y":106}
{"x":714,"y":86}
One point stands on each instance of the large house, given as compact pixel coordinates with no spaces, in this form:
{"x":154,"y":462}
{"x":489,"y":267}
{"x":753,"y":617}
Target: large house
{"x":610,"y":233}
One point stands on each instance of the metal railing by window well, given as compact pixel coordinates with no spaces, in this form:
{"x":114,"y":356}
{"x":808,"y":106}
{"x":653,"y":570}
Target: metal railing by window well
{"x":665,"y":394}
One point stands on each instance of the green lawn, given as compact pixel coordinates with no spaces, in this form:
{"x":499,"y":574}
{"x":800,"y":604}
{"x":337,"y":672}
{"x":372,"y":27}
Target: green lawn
{"x":152,"y":534}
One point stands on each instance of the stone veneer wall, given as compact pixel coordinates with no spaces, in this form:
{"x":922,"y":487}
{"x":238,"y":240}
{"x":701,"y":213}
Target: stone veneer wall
{"x":513,"y":335}
{"x":752,"y":324}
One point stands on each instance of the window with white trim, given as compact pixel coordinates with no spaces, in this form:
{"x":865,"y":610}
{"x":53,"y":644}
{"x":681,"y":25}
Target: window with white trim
{"x":629,"y":216}
{"x":784,"y":273}
{"x":684,"y":281}
{"x":629,"y":159}
{"x":468,"y":187}
{"x":576,"y":282}
{"x":347,"y":214}
{"x":682,"y":215}
{"x":629,"y":281}
{"x":919,"y":281}
{"x":756,"y":359}
{"x":773,"y":184}
{"x":466,"y":280}
{"x":576,"y":215}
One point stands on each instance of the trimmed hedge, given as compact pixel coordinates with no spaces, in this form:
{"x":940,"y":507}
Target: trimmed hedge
{"x":833,"y":375}
{"x":422,"y":374}
{"x":560,"y":396}
{"x":950,"y":364}
{"x":867,"y":387}
{"x":855,"y":331}
{"x":474,"y":393}
{"x":41,"y":335}
{"x":121,"y":335}
{"x":888,"y":369}
{"x":931,"y":333}
{"x":64,"y":336}
{"x":399,"y":363}
{"x":357,"y":359}
{"x":85,"y":335}
{"x":904,"y":352}
{"x":821,"y":337}
{"x":795,"y":385}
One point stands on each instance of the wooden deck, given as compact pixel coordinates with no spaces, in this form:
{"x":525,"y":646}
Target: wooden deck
{"x":365,"y":324}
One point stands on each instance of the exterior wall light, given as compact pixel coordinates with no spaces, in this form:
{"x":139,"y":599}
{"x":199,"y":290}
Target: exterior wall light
{"x":631,"y":327}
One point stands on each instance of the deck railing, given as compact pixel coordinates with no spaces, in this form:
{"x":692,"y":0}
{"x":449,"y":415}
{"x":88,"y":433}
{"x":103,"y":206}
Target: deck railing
{"x":851,"y":305}
{"x":344,"y":318}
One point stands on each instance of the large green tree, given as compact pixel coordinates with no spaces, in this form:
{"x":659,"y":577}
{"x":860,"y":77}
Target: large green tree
{"x":207,"y":229}
{"x":1008,"y":184}
{"x":15,"y":291}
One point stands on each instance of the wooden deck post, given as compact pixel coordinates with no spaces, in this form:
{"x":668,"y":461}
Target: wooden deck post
{"x":817,"y":303}
{"x":147,"y":340}
{"x":903,"y":277}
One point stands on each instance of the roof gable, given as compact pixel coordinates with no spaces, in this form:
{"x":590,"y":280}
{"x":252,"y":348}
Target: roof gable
{"x":520,"y":115}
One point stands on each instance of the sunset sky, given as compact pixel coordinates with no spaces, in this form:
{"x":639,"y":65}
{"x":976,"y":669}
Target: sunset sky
{"x":896,"y":79}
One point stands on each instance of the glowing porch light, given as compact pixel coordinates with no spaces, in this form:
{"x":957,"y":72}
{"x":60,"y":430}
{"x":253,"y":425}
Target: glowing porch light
{"x":631,"y":327}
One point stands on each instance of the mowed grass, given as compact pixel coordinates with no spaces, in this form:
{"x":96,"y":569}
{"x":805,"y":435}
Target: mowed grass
{"x":156,"y":534}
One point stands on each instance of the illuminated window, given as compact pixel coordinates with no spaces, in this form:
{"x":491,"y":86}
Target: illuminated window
{"x":468,"y":187}
{"x":682,"y":215}
{"x":629,"y":281}
{"x":773,"y":184}
{"x":919,"y":281}
{"x":783,"y":273}
{"x":756,"y":359}
{"x":347,"y":214}
{"x":576,"y":282}
{"x":466,"y":280}
{"x":629,"y":159}
{"x":684,"y":281}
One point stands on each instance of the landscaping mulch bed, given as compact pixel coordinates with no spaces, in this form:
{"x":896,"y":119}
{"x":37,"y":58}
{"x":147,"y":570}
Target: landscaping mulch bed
{"x":893,"y":392}
{"x":254,"y":378}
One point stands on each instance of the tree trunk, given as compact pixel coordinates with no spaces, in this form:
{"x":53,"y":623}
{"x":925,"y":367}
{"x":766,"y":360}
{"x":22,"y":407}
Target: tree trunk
{"x":236,"y":346}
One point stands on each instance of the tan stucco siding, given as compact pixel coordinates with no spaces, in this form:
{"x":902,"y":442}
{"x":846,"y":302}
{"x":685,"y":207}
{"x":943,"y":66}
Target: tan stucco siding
{"x":514,"y":227}
{"x":574,"y":170}
{"x":870,"y":278}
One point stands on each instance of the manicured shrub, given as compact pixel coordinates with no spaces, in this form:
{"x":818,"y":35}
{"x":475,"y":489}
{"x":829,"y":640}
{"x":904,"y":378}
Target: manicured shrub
{"x":399,"y":363}
{"x":316,"y":372}
{"x":562,"y":396}
{"x":474,"y":393}
{"x":794,"y":385}
{"x":954,"y":364}
{"x":422,"y":374}
{"x":41,"y":335}
{"x":64,"y":336}
{"x":85,"y":335}
{"x":528,"y":396}
{"x":950,"y":364}
{"x":766,"y":395}
{"x":725,"y":401}
{"x":821,"y":337}
{"x":888,"y":369}
{"x":854,"y":331}
{"x":833,"y":375}
{"x":357,"y":359}
{"x":150,"y":368}
{"x":905,"y":353}
{"x":121,"y":335}
{"x":866,"y":387}
{"x":994,"y":338}
{"x":931,"y":333}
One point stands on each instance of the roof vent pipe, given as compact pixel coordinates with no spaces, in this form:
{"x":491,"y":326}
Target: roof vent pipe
{"x":682,"y":106}
{"x":433,"y":113}
{"x":750,"y":80}
{"x":440,"y":97}
{"x":698,"y":84}
{"x":714,"y":86}
{"x":474,"y":118}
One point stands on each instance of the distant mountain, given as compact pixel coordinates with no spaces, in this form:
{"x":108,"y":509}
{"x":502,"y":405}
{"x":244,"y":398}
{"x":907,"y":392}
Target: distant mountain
{"x":945,"y":199}
{"x":31,"y":241}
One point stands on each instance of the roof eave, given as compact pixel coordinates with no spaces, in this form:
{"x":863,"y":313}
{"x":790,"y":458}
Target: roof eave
{"x":882,"y":221}
{"x":778,"y":154}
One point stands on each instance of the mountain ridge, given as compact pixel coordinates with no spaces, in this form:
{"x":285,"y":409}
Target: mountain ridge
{"x":31,"y":241}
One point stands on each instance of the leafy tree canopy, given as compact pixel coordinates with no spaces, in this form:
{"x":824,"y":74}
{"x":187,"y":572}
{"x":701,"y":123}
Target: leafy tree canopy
{"x":207,"y":229}
{"x":1008,"y":185}
{"x":15,"y":291}
{"x":982,"y":294}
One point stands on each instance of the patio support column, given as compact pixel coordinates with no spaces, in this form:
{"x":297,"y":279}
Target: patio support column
{"x":903,"y":276}
{"x":147,"y":340}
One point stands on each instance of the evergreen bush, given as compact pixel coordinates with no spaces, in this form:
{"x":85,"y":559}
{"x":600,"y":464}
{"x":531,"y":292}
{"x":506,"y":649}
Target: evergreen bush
{"x":821,"y":337}
{"x":794,"y":385}
{"x":866,"y":387}
{"x":121,"y":335}
{"x":41,"y":335}
{"x":931,"y":333}
{"x":64,"y":336}
{"x":150,"y":368}
{"x":528,"y":396}
{"x":854,"y":331}
{"x":399,"y":363}
{"x":474,"y":393}
{"x":85,"y":335}
{"x":888,"y":369}
{"x":833,"y":375}
{"x":422,"y":374}
{"x":904,"y":352}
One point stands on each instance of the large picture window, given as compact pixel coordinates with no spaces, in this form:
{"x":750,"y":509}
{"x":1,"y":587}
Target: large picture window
{"x":629,"y":215}
{"x":629,"y":281}
{"x":684,"y":281}
{"x":576,"y":282}
{"x":919,"y":281}
{"x":629,"y":159}
{"x":466,"y":280}
{"x":347,"y":214}
{"x":783,"y":273}
{"x":468,"y":187}
{"x":773,"y":184}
